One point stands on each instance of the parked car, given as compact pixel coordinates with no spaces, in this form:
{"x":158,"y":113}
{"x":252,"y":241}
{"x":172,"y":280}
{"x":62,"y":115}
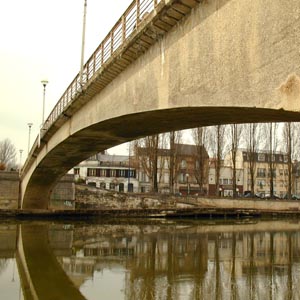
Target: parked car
{"x":259,"y":195}
{"x":268,"y":196}
{"x":294,"y":197}
{"x":248,"y":194}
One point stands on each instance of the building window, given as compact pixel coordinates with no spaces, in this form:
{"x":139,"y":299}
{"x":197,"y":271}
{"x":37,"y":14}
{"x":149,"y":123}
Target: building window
{"x":261,"y":172}
{"x":261,"y":157}
{"x":274,"y":173}
{"x":112,"y":186}
{"x":181,"y":178}
{"x":91,"y":172}
{"x":76,"y":171}
{"x":121,"y":173}
{"x":166,"y":177}
{"x":102,"y":173}
{"x":183,"y":164}
{"x":261,"y":183}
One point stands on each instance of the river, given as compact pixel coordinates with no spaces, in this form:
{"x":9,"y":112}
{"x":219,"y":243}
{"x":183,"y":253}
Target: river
{"x":150,"y":259}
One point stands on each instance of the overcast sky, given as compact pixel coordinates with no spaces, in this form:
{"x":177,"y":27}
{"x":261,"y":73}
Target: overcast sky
{"x":42,"y":40}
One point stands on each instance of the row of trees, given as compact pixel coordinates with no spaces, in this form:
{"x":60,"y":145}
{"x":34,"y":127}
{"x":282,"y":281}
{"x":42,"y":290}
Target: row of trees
{"x":8,"y":155}
{"x":218,"y":140}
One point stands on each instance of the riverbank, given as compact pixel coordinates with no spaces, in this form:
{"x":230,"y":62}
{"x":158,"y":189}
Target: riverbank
{"x":97,"y":203}
{"x":204,"y":213}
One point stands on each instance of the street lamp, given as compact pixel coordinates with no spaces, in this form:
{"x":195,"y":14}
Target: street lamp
{"x":44,"y":83}
{"x":21,"y":150}
{"x":29,"y":131}
{"x":129,"y":186}
{"x":83,"y":42}
{"x":187,"y":183}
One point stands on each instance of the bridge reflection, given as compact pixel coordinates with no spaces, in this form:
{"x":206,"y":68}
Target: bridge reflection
{"x":170,"y":260}
{"x":41,"y":275}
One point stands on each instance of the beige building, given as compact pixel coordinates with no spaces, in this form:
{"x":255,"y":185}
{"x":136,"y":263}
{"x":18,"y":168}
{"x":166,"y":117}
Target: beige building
{"x":262,"y":173}
{"x":225,"y":180}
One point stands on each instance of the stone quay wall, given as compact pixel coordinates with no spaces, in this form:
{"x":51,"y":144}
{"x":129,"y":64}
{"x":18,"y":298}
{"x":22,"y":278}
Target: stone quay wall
{"x":9,"y":189}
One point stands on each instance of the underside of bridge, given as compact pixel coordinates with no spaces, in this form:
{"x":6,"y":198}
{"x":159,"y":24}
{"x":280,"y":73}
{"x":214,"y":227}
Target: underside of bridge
{"x":230,"y":61}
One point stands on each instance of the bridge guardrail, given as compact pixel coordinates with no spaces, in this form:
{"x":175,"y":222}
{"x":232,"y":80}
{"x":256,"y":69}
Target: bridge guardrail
{"x":121,"y":31}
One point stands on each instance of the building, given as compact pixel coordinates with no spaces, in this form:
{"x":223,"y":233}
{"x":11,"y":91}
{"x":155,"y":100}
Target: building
{"x":225,"y":180}
{"x":262,"y":173}
{"x":190,"y":171}
{"x":123,"y":173}
{"x":296,"y":178}
{"x":111,"y":172}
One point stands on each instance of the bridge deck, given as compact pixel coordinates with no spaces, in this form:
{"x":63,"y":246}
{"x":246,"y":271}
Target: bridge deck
{"x":135,"y":32}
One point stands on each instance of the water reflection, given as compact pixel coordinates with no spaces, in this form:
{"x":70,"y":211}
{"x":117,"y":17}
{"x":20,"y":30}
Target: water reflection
{"x":156,"y":260}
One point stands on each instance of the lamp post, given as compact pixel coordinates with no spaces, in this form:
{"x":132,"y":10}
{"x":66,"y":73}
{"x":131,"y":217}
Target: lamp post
{"x":44,"y":83}
{"x":29,"y":131}
{"x":21,"y":150}
{"x":187,"y":183}
{"x":128,"y":188}
{"x":82,"y":44}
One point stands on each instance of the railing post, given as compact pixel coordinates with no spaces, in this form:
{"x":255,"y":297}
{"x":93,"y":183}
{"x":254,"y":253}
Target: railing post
{"x":94,"y":64}
{"x":87,"y":71}
{"x":137,"y":12}
{"x":71,"y":93}
{"x":102,"y":53}
{"x":111,"y":43}
{"x":123,"y":28}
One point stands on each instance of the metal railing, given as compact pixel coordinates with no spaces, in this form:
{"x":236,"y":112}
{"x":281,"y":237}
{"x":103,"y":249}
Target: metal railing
{"x":122,"y":30}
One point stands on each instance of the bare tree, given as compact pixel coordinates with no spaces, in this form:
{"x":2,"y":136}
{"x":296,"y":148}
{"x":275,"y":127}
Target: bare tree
{"x":252,"y":140}
{"x":290,"y":141}
{"x":7,"y":154}
{"x":175,"y":138}
{"x":200,"y":136}
{"x":272,"y":139}
{"x":147,"y":152}
{"x":217,"y":148}
{"x":235,"y":133}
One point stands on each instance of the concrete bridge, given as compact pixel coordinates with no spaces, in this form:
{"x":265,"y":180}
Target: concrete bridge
{"x":170,"y":65}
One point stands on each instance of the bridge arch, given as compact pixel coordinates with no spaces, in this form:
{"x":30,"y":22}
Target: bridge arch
{"x":226,"y":62}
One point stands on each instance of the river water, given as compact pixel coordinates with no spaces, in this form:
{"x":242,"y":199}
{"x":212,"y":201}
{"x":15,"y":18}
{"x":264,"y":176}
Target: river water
{"x":150,"y":259}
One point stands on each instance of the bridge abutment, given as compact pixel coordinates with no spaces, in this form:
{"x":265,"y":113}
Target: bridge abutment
{"x":62,"y":196}
{"x":9,"y":190}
